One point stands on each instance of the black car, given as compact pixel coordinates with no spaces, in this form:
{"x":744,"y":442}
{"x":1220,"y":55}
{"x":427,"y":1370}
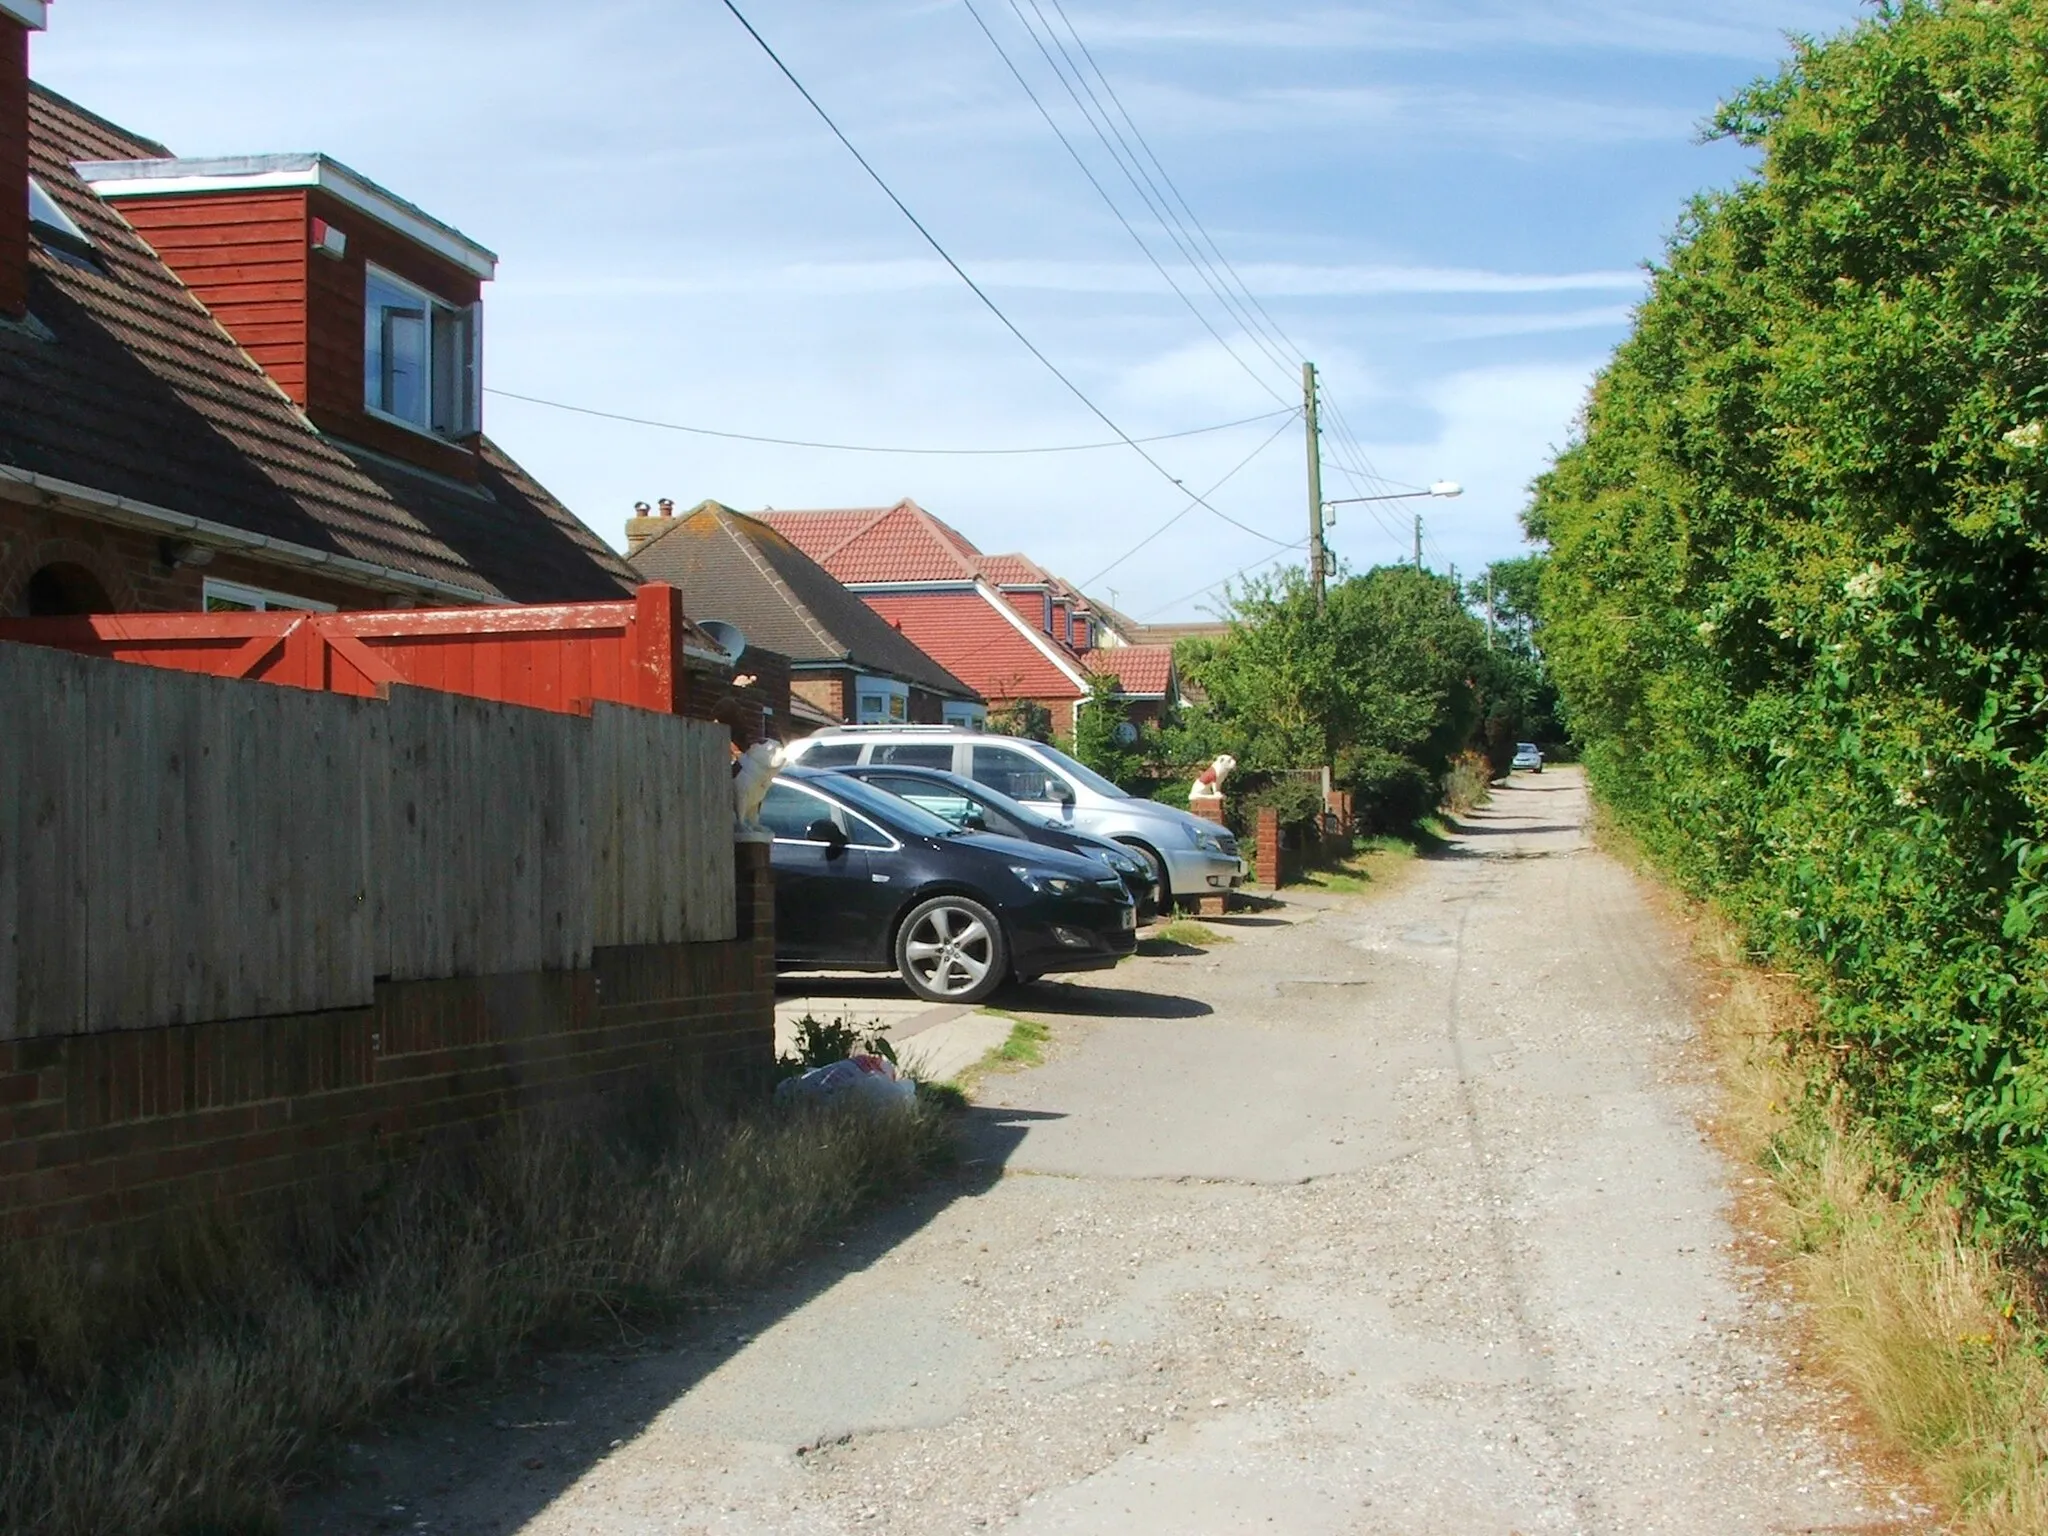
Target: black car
{"x":966,"y":803}
{"x":866,"y":881}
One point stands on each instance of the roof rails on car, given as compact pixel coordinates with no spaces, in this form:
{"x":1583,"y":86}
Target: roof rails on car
{"x":851,"y":730}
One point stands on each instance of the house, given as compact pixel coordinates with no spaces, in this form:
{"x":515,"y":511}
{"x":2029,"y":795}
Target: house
{"x":1001,"y":623}
{"x":844,"y":660}
{"x":246,"y":383}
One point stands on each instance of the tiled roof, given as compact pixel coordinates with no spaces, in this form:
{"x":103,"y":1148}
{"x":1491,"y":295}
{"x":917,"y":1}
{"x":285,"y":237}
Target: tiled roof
{"x":963,"y":631}
{"x":737,"y":568}
{"x":1013,"y":571}
{"x":1145,"y":671}
{"x":869,"y":544}
{"x":141,"y":394}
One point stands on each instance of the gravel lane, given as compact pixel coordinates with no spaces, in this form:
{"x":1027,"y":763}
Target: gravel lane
{"x":1391,"y":1215}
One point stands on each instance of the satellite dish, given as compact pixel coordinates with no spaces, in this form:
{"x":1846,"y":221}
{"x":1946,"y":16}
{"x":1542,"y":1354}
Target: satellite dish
{"x":729,"y":638}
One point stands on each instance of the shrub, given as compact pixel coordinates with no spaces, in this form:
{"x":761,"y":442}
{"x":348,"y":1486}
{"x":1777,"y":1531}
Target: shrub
{"x":1797,"y":605}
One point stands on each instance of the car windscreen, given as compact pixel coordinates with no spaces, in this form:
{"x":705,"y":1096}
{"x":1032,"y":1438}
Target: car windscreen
{"x":899,"y":815}
{"x":1088,"y":776}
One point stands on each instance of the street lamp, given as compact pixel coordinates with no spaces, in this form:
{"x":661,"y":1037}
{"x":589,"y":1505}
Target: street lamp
{"x":1443,"y":490}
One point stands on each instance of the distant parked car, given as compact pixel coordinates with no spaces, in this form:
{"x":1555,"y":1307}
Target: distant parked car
{"x":867,"y":881}
{"x":1528,"y":755}
{"x":1190,"y":857}
{"x":981,"y":809}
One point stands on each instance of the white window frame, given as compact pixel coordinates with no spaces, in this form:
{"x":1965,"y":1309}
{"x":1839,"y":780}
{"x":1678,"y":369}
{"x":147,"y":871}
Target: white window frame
{"x":964,"y":716}
{"x":470,"y":408}
{"x":894,"y":696}
{"x":255,"y":599}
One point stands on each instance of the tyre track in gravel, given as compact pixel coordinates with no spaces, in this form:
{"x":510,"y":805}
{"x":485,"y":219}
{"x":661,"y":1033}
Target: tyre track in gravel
{"x":1390,"y":1217}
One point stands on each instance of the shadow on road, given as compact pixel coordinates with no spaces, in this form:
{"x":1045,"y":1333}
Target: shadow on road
{"x":1481,"y":829}
{"x":532,"y":1441}
{"x":1067,"y":997}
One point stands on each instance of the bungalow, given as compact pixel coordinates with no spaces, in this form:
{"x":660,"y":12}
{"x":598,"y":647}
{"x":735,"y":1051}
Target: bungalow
{"x":846,"y":663}
{"x":1001,"y":623}
{"x":245,"y":383}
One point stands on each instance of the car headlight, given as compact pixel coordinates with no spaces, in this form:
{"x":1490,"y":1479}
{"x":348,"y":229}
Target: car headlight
{"x":1041,"y":880}
{"x":1122,"y":863}
{"x":1211,"y":842}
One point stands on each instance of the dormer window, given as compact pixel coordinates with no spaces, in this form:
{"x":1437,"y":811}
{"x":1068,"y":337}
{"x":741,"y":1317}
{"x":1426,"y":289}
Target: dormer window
{"x":421,"y":357}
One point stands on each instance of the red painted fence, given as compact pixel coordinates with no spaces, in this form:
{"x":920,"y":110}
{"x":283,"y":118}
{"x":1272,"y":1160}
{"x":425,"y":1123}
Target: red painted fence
{"x":561,"y":656}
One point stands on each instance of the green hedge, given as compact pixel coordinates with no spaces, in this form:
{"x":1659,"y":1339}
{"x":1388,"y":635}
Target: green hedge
{"x":1798,"y":600}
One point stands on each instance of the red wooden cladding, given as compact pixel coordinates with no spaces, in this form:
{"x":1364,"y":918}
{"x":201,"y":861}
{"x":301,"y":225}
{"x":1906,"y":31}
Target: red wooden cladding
{"x":562,"y":657}
{"x":244,"y":256}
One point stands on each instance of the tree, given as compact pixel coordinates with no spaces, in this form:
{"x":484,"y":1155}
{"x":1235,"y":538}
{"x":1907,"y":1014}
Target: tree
{"x":1385,"y":669}
{"x":1103,"y":736}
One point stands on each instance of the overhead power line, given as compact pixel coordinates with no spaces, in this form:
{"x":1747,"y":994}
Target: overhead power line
{"x":1245,"y":570}
{"x":961,"y":272}
{"x":798,"y":442}
{"x":1184,"y":511}
{"x":1103,"y":192}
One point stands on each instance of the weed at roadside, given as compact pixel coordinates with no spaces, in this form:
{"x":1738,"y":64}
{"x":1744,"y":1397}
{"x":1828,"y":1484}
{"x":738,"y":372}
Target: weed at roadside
{"x":1932,"y":1333}
{"x":189,"y":1393}
{"x":1182,"y":932}
{"x":1375,"y":862}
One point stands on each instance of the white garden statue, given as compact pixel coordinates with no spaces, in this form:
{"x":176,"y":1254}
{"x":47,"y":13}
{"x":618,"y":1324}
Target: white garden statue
{"x":1209,"y":782}
{"x":752,"y":772}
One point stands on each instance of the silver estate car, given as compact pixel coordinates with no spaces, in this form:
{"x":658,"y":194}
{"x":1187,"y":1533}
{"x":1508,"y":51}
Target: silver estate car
{"x":1190,"y":857}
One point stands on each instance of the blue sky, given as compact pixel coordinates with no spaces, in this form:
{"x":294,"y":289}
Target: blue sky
{"x":1445,"y":205}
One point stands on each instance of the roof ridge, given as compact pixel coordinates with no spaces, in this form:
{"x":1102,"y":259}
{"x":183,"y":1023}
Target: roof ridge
{"x":37,"y":88}
{"x":775,"y":579}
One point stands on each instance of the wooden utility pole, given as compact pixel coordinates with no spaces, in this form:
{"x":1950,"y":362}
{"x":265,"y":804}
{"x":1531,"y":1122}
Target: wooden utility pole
{"x":1316,"y":558}
{"x":1489,"y":607}
{"x":1418,"y":541}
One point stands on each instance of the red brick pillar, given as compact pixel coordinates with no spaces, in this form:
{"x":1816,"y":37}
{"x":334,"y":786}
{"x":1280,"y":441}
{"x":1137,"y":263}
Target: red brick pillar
{"x":1208,"y":905}
{"x":1268,"y":866}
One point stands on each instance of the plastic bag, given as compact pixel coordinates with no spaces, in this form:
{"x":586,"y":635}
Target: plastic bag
{"x":866,"y":1079}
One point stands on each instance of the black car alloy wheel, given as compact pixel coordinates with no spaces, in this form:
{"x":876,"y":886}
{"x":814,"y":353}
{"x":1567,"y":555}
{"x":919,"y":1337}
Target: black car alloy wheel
{"x":951,"y":950}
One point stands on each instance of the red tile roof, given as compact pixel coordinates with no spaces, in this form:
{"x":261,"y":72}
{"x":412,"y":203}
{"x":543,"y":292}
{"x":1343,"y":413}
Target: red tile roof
{"x":866,"y":544}
{"x":965,"y":634}
{"x":1146,"y":671}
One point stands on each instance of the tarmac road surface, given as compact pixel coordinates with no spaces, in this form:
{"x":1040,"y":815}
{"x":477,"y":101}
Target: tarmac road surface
{"x":1389,"y":1216}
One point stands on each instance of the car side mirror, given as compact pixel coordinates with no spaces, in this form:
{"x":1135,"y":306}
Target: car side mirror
{"x":974,"y":821}
{"x":830,"y":833}
{"x":1059,"y":790}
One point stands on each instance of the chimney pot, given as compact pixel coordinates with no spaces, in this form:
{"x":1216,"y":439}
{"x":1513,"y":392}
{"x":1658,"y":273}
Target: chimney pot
{"x":668,"y":507}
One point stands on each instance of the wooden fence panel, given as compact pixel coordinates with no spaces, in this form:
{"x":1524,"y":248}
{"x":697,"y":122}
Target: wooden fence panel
{"x":709,"y":872}
{"x":178,"y":849}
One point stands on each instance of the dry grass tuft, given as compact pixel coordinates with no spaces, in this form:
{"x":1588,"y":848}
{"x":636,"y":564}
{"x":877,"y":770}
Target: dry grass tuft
{"x":1929,"y":1330}
{"x":190,"y":1390}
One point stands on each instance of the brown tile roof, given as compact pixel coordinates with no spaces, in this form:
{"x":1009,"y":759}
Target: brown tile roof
{"x":138,"y":392}
{"x":738,"y":568}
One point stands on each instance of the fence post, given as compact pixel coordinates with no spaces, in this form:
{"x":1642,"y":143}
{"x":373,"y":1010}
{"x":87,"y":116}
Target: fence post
{"x":658,"y":626}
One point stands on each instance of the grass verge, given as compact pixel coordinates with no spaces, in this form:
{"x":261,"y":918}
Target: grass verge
{"x":1375,"y":864}
{"x":1933,"y":1333}
{"x":1181,"y":933}
{"x":190,"y":1391}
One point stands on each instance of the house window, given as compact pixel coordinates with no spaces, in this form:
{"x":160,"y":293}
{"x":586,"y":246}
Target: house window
{"x":970,"y":716}
{"x":881,"y":701}
{"x":233,"y":597}
{"x":422,"y":357}
{"x":1047,"y":621}
{"x":56,"y":230}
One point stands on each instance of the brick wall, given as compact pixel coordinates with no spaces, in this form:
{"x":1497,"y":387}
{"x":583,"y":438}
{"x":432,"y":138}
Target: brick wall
{"x":106,"y":1128}
{"x":128,"y":566}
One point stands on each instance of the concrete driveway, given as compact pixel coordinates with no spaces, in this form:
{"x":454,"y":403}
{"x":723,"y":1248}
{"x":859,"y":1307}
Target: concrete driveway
{"x":1390,"y":1215}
